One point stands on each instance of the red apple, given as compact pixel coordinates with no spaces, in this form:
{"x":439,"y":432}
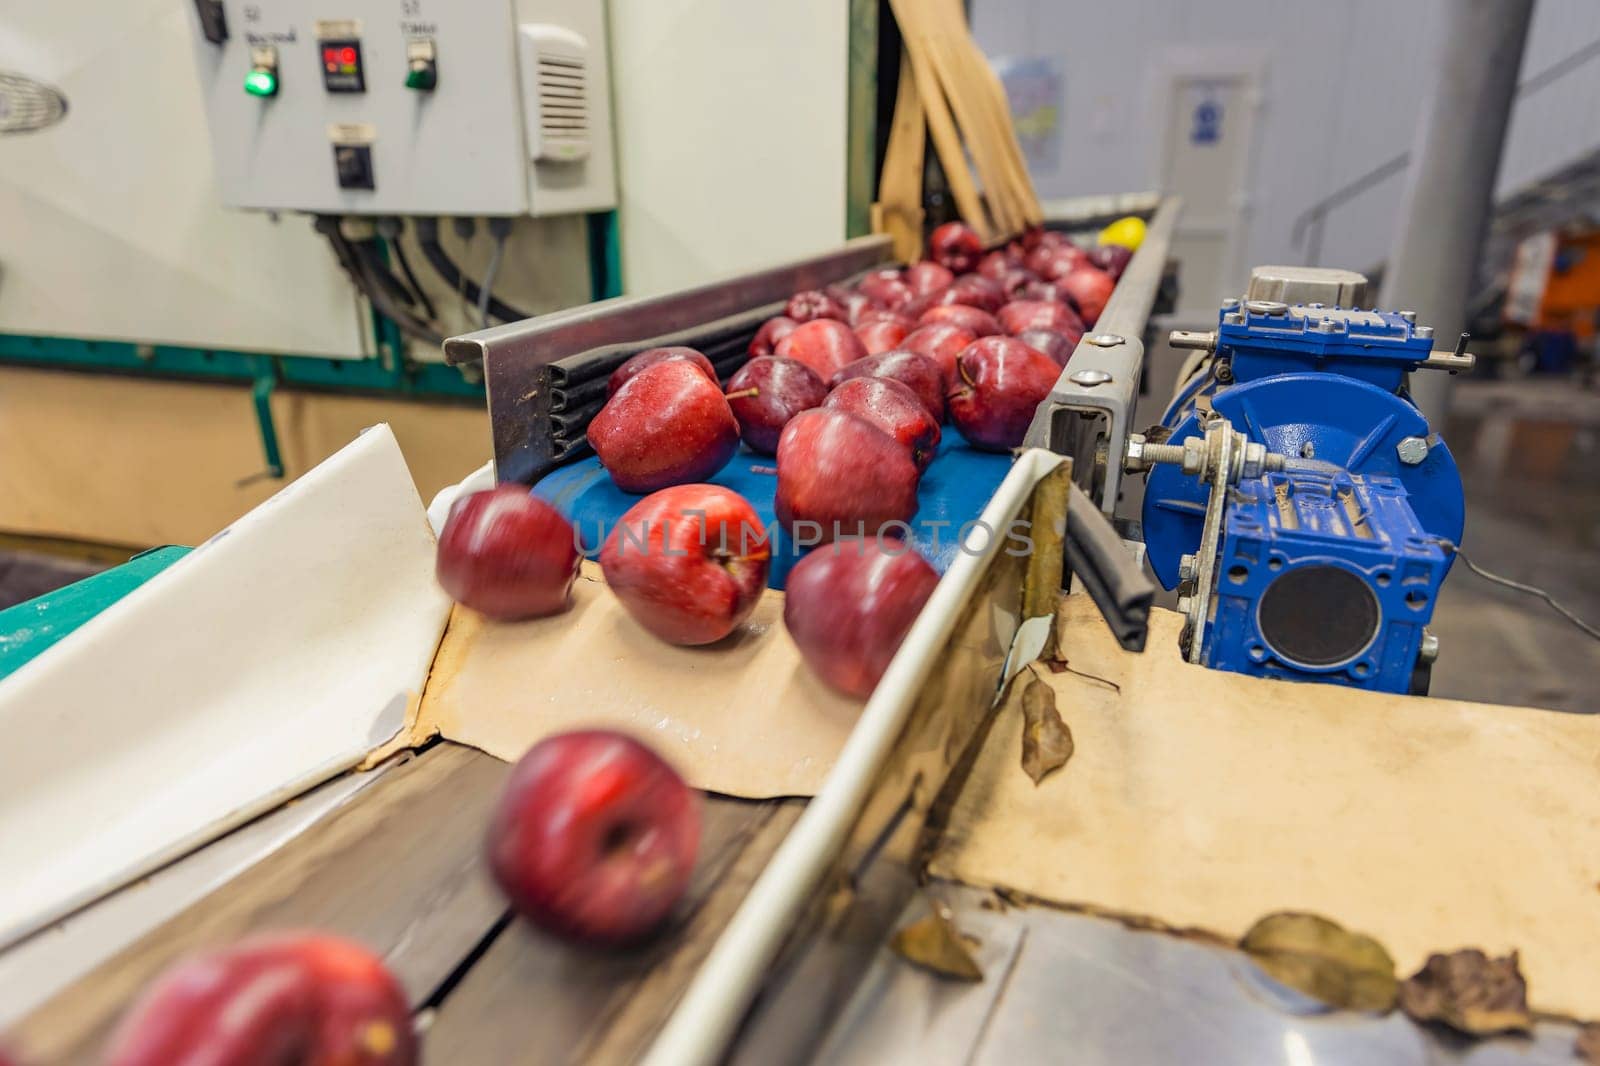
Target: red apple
{"x":782,"y":389}
{"x":841,"y":476}
{"x":884,"y":314}
{"x":1055,"y":260}
{"x":771,"y":332}
{"x":995,"y":264}
{"x":813,"y":304}
{"x":981,"y":323}
{"x":1000,"y":382}
{"x":1015,"y":280}
{"x":1047,"y":291}
{"x":849,"y":606}
{"x":941,"y":342}
{"x":974,"y":290}
{"x":1031,"y":237}
{"x":594,"y":837}
{"x":1058,"y":346}
{"x":649,"y":358}
{"x":1112,"y":258}
{"x":1022,"y":315}
{"x":824,"y":345}
{"x":893,"y":408}
{"x":275,"y":998}
{"x":886,"y":289}
{"x":916,"y":372}
{"x":856,"y":304}
{"x":926,"y":278}
{"x":667,"y":426}
{"x":689,"y":563}
{"x":507,"y":554}
{"x":882,"y":335}
{"x":1090,"y":288}
{"x":955,"y":246}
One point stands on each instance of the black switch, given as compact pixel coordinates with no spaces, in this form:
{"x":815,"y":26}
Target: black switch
{"x":213,"y":20}
{"x":353,"y":162}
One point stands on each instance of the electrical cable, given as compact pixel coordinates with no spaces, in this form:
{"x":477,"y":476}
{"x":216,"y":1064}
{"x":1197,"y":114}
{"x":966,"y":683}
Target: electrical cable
{"x":390,"y":229}
{"x":1532,"y":590}
{"x":488,"y":281}
{"x":378,"y":272}
{"x":445,"y":267}
{"x":355,"y":266}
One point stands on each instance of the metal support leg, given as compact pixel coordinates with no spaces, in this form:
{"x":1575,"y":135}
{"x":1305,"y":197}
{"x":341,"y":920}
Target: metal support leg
{"x":1455,"y":159}
{"x":262,"y":394}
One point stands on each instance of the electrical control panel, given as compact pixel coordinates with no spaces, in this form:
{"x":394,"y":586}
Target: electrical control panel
{"x":407,"y":107}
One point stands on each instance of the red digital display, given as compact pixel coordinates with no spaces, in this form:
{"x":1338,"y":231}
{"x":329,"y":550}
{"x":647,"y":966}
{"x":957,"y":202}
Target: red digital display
{"x":330,"y":55}
{"x":348,"y":56}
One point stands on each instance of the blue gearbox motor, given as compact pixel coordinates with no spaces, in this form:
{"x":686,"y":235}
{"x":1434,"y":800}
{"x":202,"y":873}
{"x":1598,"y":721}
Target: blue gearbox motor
{"x":1298,"y":499}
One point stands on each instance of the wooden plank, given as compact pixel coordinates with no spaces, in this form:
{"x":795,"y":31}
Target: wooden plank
{"x":533,"y":999}
{"x":900,"y":211}
{"x":398,"y":869}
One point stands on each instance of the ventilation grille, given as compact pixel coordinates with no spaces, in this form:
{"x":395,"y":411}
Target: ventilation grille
{"x":27,"y":105}
{"x":563,"y":107}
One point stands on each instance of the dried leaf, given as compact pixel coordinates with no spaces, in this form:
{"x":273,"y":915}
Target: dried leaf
{"x":934,"y":943}
{"x":1587,"y":1047}
{"x":1469,"y":992}
{"x":1046,"y":740}
{"x":1324,"y":960}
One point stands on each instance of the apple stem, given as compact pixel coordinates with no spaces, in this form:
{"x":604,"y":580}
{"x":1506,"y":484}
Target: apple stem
{"x":743,"y":393}
{"x":962,"y":371}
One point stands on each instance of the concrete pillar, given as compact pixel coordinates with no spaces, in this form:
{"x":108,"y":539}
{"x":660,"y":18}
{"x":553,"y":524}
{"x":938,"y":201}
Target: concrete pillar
{"x":1454,"y":162}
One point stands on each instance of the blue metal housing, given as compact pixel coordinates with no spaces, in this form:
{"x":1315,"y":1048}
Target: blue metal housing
{"x":1324,"y":384}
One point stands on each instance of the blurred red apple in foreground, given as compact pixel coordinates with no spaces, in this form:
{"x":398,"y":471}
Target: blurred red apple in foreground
{"x":823,"y":344}
{"x":927,"y":278}
{"x":813,"y":304}
{"x":848,"y":606}
{"x":1019,"y":316}
{"x":771,"y":332}
{"x":1112,"y":258}
{"x":842,"y":476}
{"x":1090,"y":288}
{"x":667,"y":425}
{"x":594,"y":837}
{"x":688,"y":563}
{"x":893,"y":408}
{"x":955,"y":246}
{"x":1000,"y":382}
{"x":507,"y":554}
{"x":276,"y":999}
{"x":649,"y":358}
{"x":916,"y":372}
{"x":941,"y":342}
{"x":977,"y":322}
{"x":783,"y":388}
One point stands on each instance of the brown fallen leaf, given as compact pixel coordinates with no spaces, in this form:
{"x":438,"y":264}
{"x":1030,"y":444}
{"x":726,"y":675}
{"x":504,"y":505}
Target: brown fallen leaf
{"x":1469,"y":992}
{"x":934,"y":943}
{"x":1587,"y":1047}
{"x":1324,"y":960}
{"x":1046,"y":740}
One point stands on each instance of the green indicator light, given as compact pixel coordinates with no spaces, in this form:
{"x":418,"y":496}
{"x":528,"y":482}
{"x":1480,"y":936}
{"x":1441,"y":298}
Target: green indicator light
{"x":261,"y":83}
{"x":422,"y":76}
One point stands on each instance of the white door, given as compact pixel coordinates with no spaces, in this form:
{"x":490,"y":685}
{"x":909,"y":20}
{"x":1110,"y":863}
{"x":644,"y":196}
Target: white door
{"x":1205,"y":158}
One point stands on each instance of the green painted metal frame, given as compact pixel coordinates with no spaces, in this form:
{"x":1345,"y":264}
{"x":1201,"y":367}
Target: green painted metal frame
{"x":861,"y":136}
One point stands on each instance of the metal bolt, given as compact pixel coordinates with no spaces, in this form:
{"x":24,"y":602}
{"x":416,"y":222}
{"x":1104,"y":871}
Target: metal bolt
{"x":1188,"y":566}
{"x":1308,"y":450}
{"x":1424,"y":332}
{"x":1234,"y":319}
{"x":1409,"y":316}
{"x":146,"y":352}
{"x":1327,"y":325}
{"x":1089,"y":378}
{"x":1103,"y":340}
{"x":1412,"y":450}
{"x":1185,"y":604}
{"x":1230,"y":303}
{"x":1266,"y":307}
{"x":1223,"y":372}
{"x":1429,"y":650}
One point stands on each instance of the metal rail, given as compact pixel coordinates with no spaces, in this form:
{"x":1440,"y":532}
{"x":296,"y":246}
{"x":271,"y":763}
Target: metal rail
{"x":1088,"y":414}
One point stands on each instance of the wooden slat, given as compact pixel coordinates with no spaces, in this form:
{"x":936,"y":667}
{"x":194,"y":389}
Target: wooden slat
{"x":398,"y":869}
{"x":899,"y":210}
{"x":532,"y":999}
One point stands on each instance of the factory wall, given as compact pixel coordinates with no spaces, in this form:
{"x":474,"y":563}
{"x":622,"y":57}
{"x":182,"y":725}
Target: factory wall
{"x":1342,"y":90}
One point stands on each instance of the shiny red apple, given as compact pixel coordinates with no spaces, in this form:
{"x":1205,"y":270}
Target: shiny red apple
{"x":668,"y":425}
{"x":848,"y":607}
{"x":1020,"y":316}
{"x":823,"y":344}
{"x":767,"y":392}
{"x":277,"y":998}
{"x":594,"y":837}
{"x":841,"y":476}
{"x":974,"y":290}
{"x":926,"y":278}
{"x":955,"y":246}
{"x":1112,"y":258}
{"x":979,"y":323}
{"x":689,"y":562}
{"x":999,"y":384}
{"x":1090,"y":288}
{"x":893,"y":408}
{"x":941,"y":342}
{"x":507,"y":554}
{"x":813,"y":304}
{"x":882,"y":335}
{"x":886,"y":289}
{"x":916,"y":372}
{"x":1058,"y":346}
{"x":771,"y":332}
{"x":649,"y":358}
